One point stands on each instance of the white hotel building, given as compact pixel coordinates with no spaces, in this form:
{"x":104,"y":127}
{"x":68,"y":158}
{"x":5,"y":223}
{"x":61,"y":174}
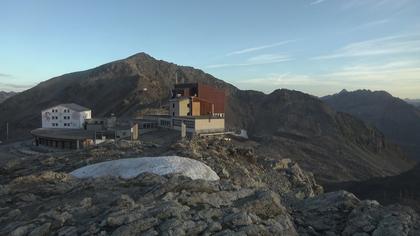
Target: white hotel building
{"x":65,"y":116}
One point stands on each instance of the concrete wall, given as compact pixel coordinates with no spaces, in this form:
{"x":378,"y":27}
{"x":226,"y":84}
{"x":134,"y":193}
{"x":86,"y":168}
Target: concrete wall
{"x":211,"y":124}
{"x":196,"y":108}
{"x":62,"y":117}
{"x":200,"y":125}
{"x":179,"y":107}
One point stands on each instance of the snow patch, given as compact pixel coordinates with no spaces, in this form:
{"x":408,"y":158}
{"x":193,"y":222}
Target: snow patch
{"x":163,"y":165}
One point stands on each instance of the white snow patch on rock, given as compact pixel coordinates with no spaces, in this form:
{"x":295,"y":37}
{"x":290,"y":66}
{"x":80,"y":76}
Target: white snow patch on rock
{"x":163,"y":165}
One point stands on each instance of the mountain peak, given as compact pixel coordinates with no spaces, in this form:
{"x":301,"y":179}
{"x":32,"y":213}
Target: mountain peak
{"x":140,"y":56}
{"x":343,"y":91}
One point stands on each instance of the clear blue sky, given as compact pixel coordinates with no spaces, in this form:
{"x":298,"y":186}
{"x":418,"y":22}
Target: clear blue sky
{"x":316,"y":46}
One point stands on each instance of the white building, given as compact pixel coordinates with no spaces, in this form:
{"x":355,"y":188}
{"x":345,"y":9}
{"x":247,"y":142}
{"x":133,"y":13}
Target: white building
{"x":66,"y":116}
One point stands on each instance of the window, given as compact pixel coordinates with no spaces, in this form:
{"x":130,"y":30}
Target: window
{"x":173,"y":113}
{"x":173,"y":105}
{"x":165,"y":123}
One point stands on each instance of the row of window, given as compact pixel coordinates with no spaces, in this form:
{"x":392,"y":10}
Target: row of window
{"x":188,"y":123}
{"x":149,"y":125}
{"x":65,"y":124}
{"x":65,"y":110}
{"x":65,"y":117}
{"x":165,"y":123}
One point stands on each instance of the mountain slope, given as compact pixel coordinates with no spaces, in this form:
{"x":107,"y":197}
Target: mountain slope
{"x":402,"y":189}
{"x":334,"y":146}
{"x":5,"y":95}
{"x":284,"y":124}
{"x":399,"y":121}
{"x":116,"y":87}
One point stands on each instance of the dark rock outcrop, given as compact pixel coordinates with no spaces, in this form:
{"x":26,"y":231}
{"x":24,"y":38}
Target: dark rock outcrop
{"x":255,"y":196}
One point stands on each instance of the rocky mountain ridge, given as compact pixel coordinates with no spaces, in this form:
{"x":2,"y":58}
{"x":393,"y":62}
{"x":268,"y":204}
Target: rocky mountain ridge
{"x":398,"y":120}
{"x":5,"y":95}
{"x":254,"y":196}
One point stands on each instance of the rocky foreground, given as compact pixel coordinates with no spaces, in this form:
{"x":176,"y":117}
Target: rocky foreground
{"x":254,"y":196}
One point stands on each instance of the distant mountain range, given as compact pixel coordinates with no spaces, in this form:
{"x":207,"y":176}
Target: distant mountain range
{"x":415,"y":102}
{"x":284,"y":124}
{"x":398,"y":120}
{"x":5,"y":95}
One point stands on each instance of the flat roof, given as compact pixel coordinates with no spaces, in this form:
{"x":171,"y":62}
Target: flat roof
{"x":180,"y":98}
{"x":72,"y":106}
{"x":59,"y":133}
{"x":161,"y":116}
{"x":199,"y":117}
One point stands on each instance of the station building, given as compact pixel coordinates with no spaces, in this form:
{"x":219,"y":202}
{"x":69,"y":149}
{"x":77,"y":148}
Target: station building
{"x":201,"y":108}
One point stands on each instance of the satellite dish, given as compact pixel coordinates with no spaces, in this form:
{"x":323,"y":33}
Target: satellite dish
{"x":145,"y":89}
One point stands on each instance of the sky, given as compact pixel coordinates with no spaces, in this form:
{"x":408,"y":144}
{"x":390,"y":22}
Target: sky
{"x":316,"y":46}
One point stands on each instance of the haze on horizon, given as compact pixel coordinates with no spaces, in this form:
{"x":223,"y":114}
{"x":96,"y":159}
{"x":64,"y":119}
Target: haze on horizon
{"x":315,"y":46}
